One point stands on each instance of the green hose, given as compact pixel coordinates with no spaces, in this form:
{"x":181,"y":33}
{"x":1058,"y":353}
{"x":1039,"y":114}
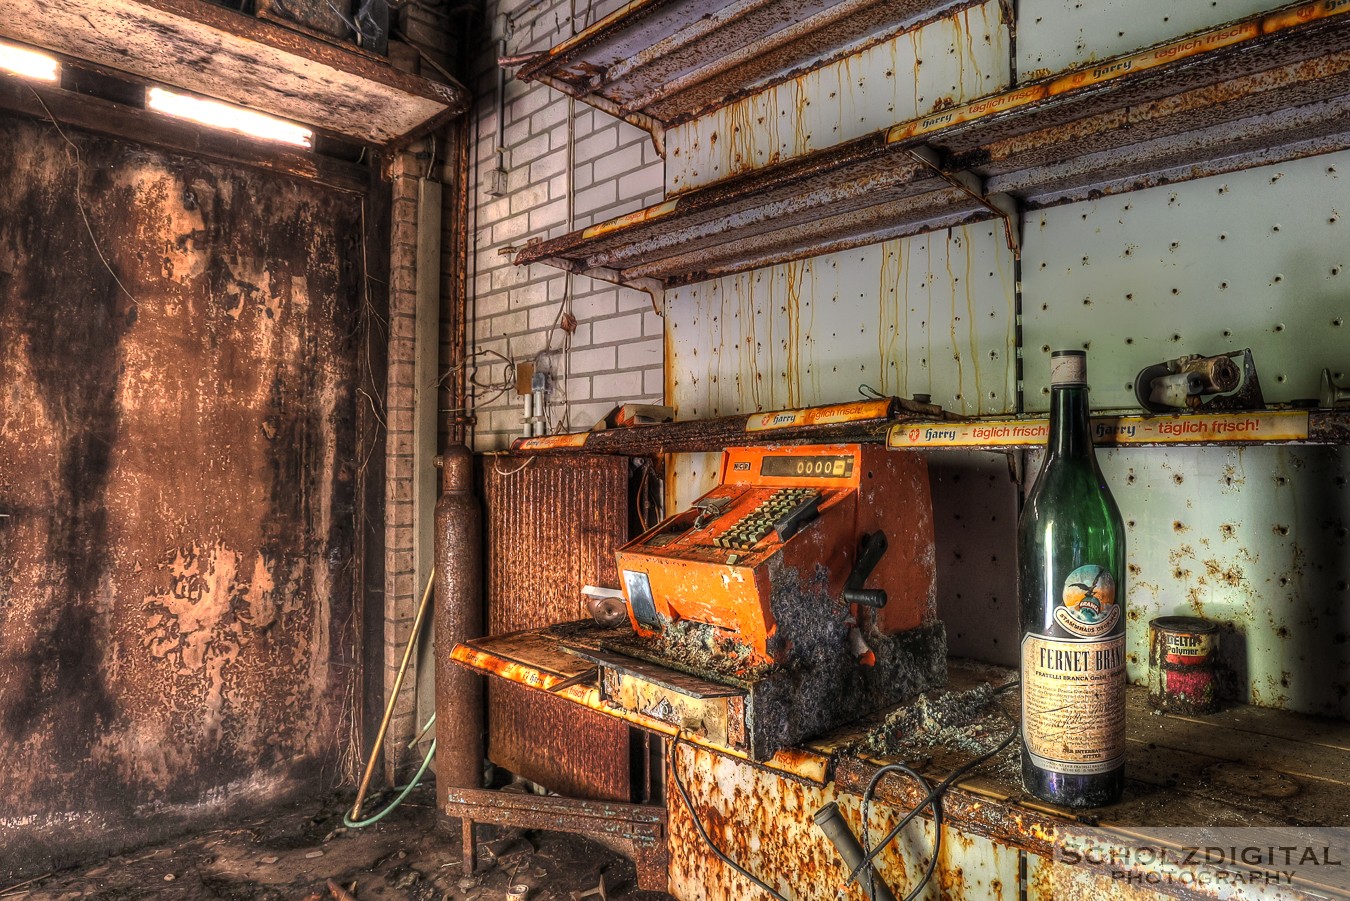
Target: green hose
{"x":407,"y":790}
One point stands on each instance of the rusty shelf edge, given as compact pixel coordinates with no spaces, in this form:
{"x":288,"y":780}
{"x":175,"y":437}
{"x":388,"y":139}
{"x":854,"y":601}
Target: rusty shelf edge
{"x":908,"y":425}
{"x":658,"y":63}
{"x":863,"y":421}
{"x":481,"y":655}
{"x":1223,"y":87}
{"x":1120,"y":429}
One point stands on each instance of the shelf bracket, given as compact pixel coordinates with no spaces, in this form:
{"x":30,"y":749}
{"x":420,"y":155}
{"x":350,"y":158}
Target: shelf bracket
{"x":1003,"y":206}
{"x":656,"y":129}
{"x":652,"y":287}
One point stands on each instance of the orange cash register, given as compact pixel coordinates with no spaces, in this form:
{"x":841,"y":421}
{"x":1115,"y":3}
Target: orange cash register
{"x":796,"y":595}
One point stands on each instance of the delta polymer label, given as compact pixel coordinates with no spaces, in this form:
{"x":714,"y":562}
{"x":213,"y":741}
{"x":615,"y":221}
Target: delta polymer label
{"x":1073,"y":688}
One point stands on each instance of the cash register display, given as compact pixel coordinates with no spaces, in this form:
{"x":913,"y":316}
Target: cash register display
{"x":820,"y":467}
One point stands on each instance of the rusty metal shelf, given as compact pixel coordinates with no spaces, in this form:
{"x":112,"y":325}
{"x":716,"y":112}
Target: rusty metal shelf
{"x":1261,"y":90}
{"x":859,"y":421}
{"x":203,"y":48}
{"x":1258,"y":427}
{"x":656,"y":63}
{"x":908,"y":425}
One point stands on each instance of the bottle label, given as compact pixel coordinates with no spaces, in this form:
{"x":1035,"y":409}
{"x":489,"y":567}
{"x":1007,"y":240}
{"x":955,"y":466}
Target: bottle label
{"x":1089,"y":603}
{"x":1068,"y":369}
{"x":1073,"y":703}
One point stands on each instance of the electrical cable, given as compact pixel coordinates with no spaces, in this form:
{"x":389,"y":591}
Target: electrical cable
{"x":422,"y":608}
{"x":937,"y":829}
{"x":79,"y":197}
{"x":698,"y":826}
{"x":402,"y":796}
{"x":933,"y":798}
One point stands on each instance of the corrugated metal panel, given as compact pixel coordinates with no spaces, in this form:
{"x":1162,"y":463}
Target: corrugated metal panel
{"x":947,"y":63}
{"x":552,"y":526}
{"x":931,"y":315}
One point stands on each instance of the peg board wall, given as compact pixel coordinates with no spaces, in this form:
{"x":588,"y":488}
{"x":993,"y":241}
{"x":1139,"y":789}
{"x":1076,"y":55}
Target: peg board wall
{"x":1054,"y":35}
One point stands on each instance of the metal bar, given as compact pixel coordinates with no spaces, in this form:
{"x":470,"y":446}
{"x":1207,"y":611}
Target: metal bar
{"x":460,"y":419}
{"x":642,"y":827}
{"x":639,"y":120}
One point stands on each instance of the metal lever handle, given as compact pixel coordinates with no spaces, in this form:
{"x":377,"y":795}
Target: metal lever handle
{"x":793,"y":521}
{"x":871,"y":548}
{"x":709,"y":508}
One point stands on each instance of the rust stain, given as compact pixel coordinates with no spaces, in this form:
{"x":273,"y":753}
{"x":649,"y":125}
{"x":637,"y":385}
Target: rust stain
{"x":792,"y":282}
{"x":892,"y":331}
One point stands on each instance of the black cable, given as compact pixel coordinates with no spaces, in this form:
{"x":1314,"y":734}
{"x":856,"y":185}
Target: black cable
{"x":933,"y":798}
{"x":937,"y":829}
{"x":698,"y":826}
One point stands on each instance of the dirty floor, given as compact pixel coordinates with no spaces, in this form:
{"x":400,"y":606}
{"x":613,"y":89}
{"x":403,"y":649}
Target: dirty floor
{"x":293,"y":853}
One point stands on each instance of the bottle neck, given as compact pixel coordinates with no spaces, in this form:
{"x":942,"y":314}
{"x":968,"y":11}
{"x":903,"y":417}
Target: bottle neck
{"x":1070,"y":425}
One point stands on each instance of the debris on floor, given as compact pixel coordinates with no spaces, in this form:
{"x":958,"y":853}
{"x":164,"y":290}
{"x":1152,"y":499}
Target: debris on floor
{"x":302,"y":852}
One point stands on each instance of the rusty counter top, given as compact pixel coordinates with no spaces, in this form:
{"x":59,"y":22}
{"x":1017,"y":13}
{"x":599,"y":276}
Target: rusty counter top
{"x":1242,"y":767}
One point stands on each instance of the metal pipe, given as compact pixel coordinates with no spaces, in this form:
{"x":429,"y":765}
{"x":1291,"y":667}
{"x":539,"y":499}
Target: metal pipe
{"x":459,"y":617}
{"x":504,"y":24}
{"x":393,"y":696}
{"x":831,"y":822}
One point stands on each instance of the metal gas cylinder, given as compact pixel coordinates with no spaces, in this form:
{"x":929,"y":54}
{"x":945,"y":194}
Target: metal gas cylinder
{"x":459,"y":617}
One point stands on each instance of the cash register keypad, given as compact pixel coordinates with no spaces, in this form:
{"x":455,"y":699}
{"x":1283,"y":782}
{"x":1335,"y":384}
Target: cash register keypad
{"x":750,"y":529}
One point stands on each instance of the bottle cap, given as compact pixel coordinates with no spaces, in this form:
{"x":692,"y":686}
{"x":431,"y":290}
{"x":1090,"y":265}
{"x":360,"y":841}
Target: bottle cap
{"x":1068,"y":367}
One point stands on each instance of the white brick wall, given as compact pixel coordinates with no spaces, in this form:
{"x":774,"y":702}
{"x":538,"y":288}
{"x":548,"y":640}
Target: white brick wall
{"x":617,"y":351}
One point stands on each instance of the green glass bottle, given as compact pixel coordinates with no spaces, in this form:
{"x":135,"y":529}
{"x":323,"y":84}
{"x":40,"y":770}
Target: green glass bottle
{"x":1071,"y":585}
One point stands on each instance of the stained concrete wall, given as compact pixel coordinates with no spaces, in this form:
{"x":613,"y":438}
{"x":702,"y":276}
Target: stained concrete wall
{"x":176,"y":475}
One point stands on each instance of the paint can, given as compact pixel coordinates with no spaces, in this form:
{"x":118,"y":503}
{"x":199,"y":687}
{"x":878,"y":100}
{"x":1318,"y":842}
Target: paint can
{"x":1181,"y":664}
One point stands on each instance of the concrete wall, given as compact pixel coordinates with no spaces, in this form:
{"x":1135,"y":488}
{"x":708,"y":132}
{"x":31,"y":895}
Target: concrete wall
{"x":176,"y":604}
{"x":615,"y":354}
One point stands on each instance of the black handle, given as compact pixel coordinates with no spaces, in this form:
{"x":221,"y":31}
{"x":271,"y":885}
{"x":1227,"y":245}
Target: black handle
{"x":871,"y":548}
{"x":798,"y":516}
